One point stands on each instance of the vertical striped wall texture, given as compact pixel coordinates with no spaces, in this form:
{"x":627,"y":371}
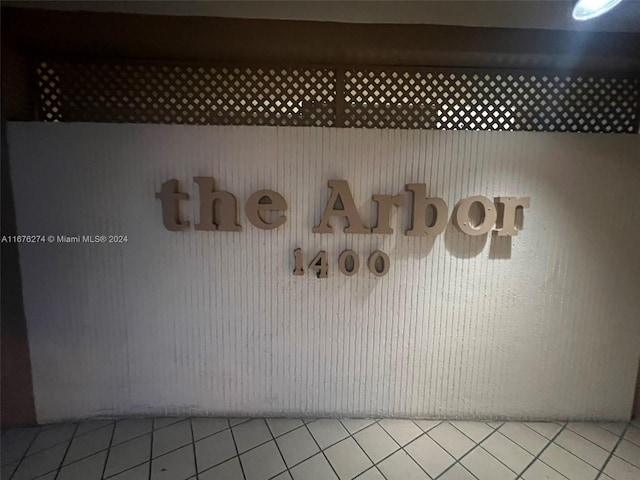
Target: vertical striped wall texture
{"x":544,"y":325}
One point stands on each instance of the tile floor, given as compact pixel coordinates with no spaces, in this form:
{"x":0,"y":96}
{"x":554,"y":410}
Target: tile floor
{"x":320,"y":449}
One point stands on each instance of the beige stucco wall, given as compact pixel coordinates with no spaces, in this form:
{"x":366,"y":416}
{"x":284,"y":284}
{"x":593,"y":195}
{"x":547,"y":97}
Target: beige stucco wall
{"x":542,"y":325}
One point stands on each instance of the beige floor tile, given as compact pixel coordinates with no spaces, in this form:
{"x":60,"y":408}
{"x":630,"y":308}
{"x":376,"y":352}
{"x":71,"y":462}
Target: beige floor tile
{"x":327,"y":431}
{"x":620,"y":470}
{"x":347,"y":458}
{"x":546,"y":429}
{"x":633,"y":435}
{"x":568,"y":464}
{"x":215,"y":449}
{"x":485,"y":467}
{"x":451,"y":439}
{"x":251,"y":434}
{"x":128,"y":454}
{"x":457,"y":472}
{"x":174,"y":465}
{"x":628,"y":451}
{"x":280,"y":426}
{"x":262,"y":462}
{"x":229,"y":470}
{"x":402,"y":431}
{"x":354,"y":425}
{"x":527,"y":438}
{"x":508,"y":452}
{"x":296,"y":446}
{"x":595,"y":433}
{"x":476,"y":431}
{"x":314,"y":467}
{"x":541,"y":471}
{"x":401,"y":466}
{"x":376,"y":443}
{"x":582,"y":448}
{"x":429,"y":455}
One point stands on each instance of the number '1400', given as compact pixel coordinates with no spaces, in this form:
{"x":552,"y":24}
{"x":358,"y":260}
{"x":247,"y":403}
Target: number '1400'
{"x":348,"y":263}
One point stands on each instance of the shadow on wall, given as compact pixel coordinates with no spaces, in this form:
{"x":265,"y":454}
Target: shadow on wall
{"x":461,"y":245}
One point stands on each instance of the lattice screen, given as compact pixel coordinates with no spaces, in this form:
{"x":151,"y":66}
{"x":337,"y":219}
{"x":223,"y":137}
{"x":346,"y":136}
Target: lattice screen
{"x":416,"y":98}
{"x":384,"y":97}
{"x":178,"y":94}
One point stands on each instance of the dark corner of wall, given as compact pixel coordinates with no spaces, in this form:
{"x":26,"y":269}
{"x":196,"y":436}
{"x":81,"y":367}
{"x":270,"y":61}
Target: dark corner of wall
{"x":16,"y":402}
{"x":16,"y":399}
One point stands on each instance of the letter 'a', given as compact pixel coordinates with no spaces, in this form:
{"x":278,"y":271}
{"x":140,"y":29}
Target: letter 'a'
{"x":340,"y":204}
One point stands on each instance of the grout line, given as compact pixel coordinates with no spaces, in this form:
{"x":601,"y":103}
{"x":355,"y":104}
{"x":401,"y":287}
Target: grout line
{"x":373,"y":464}
{"x":373,"y":467}
{"x":494,"y":430}
{"x":57,"y":444}
{"x":94,"y":430}
{"x":278,"y":447}
{"x":514,"y":441}
{"x":219,"y":463}
{"x":159,"y":456}
{"x":49,"y":427}
{"x":56,"y":469}
{"x":540,"y":453}
{"x":106,"y":458}
{"x":66,"y":452}
{"x":510,"y":440}
{"x":33,"y":440}
{"x":408,"y":443}
{"x":281,"y":473}
{"x":193,"y":446}
{"x":153,"y":430}
{"x":157,"y":430}
{"x":609,"y":431}
{"x":526,"y":424}
{"x":372,"y":420}
{"x":429,"y":429}
{"x":211,"y":435}
{"x":591,"y":441}
{"x":60,"y":466}
{"x":569,"y":451}
{"x":114,"y":422}
{"x":321,"y":450}
{"x":498,"y":460}
{"x":606,"y":462}
{"x":465,"y":468}
{"x":166,"y":453}
{"x":458,"y":460}
{"x":98,"y":451}
{"x":244,"y":420}
{"x":12,"y":471}
{"x":376,"y":465}
{"x":575,"y":455}
{"x":535,"y":458}
{"x":205,"y":470}
{"x":235,"y":444}
{"x":129,"y":469}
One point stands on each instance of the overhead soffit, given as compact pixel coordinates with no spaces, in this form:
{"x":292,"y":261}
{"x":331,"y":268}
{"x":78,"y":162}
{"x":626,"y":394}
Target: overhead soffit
{"x":228,"y":37}
{"x":538,"y":14}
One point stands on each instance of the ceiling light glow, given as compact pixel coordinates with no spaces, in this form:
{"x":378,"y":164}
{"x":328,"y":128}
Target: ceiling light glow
{"x":588,"y":9}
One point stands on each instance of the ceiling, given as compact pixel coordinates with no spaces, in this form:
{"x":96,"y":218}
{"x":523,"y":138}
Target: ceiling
{"x":545,"y":14}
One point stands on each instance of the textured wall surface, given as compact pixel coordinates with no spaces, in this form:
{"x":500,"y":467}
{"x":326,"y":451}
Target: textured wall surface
{"x":543,"y":325}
